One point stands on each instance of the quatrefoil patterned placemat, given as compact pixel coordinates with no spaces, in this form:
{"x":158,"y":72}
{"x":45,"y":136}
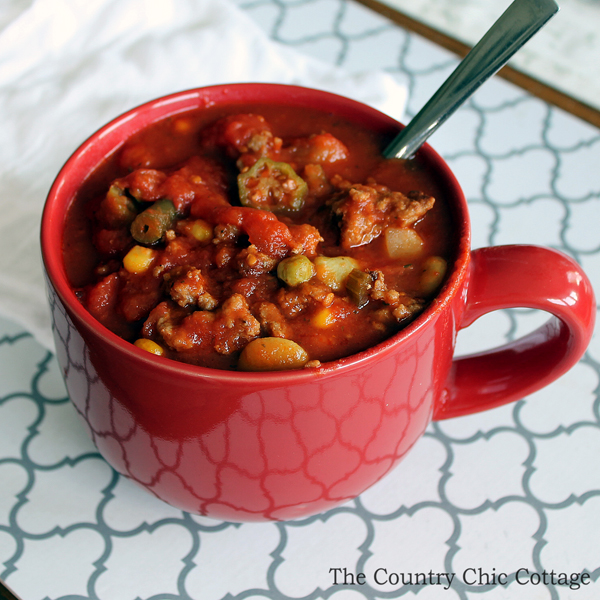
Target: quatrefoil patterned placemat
{"x":509,"y":498}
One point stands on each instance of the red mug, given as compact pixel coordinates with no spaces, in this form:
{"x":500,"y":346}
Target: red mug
{"x":283,"y":445}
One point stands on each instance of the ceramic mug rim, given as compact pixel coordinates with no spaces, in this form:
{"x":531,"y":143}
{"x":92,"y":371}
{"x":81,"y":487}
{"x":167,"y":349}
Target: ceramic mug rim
{"x":57,"y":203}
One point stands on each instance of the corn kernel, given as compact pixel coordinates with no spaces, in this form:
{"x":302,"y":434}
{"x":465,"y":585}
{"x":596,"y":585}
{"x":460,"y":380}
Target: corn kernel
{"x":323,"y":318}
{"x":202,"y":231}
{"x":139,"y":259}
{"x":149,"y":346}
{"x":182,"y":125}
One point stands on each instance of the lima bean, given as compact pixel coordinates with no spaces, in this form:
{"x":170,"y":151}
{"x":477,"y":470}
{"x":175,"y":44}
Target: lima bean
{"x":272,"y":354}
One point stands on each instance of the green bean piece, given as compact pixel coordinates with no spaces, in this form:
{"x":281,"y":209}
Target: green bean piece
{"x":151,"y":224}
{"x":295,"y":270}
{"x":359,"y":285}
{"x":272,"y":186}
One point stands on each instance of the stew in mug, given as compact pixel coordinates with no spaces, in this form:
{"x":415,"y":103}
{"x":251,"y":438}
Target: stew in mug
{"x":268,"y":239}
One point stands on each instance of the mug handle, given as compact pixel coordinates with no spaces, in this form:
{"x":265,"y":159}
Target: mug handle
{"x":528,"y":277}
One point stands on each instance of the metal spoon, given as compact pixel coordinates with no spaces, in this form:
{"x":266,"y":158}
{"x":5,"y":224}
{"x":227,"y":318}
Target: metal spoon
{"x":519,"y":23}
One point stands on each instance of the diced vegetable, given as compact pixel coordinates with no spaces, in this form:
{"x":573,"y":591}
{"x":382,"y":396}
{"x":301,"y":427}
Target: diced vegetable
{"x":272,"y":186}
{"x":272,"y":354}
{"x":151,"y":224}
{"x":317,"y":148}
{"x":201,"y":230}
{"x":295,"y":270}
{"x":149,"y":346}
{"x":323,"y":318}
{"x":138,"y":260}
{"x":434,"y":270}
{"x":403,"y":243}
{"x":117,"y":209}
{"x":334,"y":270}
{"x":316,"y":180}
{"x":359,"y":285}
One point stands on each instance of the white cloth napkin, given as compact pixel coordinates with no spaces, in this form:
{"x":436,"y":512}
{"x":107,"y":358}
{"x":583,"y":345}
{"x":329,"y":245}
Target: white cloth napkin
{"x":69,"y":66}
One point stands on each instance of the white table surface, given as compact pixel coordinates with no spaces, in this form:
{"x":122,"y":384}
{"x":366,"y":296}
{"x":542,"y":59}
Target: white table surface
{"x":513,"y":489}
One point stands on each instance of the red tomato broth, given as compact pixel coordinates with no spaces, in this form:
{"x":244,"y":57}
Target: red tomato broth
{"x":122,"y":303}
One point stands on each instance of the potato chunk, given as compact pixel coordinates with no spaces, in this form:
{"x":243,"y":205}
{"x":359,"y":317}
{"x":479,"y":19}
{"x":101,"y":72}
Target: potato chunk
{"x":334,"y":270}
{"x":402,"y":243}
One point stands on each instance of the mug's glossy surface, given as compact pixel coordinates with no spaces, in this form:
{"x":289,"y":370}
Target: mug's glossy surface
{"x":264,"y":446}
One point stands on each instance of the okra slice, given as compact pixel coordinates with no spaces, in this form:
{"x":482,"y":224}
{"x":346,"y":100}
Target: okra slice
{"x":273,"y":186}
{"x":151,"y":224}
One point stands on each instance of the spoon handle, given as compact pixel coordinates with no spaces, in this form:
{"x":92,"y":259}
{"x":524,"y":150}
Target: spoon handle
{"x":521,"y":20}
